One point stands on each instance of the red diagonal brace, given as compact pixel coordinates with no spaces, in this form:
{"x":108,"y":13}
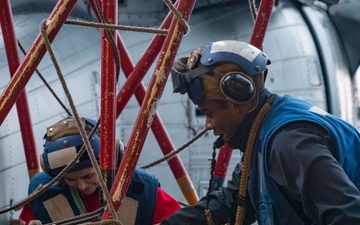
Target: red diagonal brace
{"x":33,"y":58}
{"x":261,"y":23}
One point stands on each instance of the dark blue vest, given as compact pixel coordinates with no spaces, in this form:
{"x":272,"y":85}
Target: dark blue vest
{"x":143,"y":188}
{"x":266,"y":197}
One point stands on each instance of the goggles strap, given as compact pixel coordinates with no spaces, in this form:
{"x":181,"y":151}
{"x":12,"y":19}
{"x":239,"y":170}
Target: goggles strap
{"x":200,"y":71}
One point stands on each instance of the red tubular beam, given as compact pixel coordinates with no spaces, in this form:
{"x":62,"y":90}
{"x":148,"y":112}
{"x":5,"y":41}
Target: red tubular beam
{"x":133,"y":84}
{"x":261,"y":23}
{"x":222,"y":165}
{"x":33,"y":58}
{"x":108,"y":92}
{"x":148,"y":108}
{"x":27,"y":134}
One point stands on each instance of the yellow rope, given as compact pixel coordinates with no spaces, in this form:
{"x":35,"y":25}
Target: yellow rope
{"x":240,"y":212}
{"x":245,"y":170}
{"x":209,"y":217}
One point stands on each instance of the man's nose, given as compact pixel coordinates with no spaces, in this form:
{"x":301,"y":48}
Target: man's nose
{"x":208,"y":124}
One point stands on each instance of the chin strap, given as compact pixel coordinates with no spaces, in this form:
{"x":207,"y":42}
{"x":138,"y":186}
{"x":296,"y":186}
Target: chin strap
{"x":245,"y":170}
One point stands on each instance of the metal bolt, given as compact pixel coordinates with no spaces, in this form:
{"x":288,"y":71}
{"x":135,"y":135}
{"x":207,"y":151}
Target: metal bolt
{"x":257,"y":68}
{"x":210,"y":60}
{"x":66,"y":143}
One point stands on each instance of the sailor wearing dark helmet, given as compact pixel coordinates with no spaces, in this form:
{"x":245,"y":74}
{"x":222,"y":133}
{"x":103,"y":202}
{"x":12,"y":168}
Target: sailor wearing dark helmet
{"x":78,"y":191}
{"x":300,"y":164}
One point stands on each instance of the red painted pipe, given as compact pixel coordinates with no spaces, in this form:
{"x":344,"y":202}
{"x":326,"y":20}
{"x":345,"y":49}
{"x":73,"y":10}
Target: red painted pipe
{"x":108,"y":93}
{"x":134,"y":84}
{"x":27,"y":67}
{"x":261,"y":23}
{"x":27,"y":134}
{"x":108,"y":87}
{"x":222,"y":165}
{"x":148,"y":108}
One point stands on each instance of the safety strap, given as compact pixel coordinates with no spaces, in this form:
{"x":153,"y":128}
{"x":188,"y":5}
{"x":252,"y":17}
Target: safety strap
{"x":79,"y":203}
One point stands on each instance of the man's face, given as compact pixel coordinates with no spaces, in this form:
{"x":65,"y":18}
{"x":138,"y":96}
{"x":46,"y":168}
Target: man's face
{"x":221,"y":117}
{"x":84,"y":180}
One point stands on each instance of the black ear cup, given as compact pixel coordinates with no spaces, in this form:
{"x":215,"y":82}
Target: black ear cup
{"x":237,"y":87}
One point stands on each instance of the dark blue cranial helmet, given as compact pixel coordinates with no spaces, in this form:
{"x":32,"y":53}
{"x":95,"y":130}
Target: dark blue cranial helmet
{"x":186,"y":71}
{"x":62,"y":143}
{"x":252,"y":59}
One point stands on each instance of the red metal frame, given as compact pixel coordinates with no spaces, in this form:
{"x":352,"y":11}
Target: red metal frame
{"x":148,"y":107}
{"x":27,"y":134}
{"x":147,"y":117}
{"x":108,"y":94}
{"x":133,"y":85}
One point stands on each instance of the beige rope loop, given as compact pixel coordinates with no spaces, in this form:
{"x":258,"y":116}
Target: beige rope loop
{"x":117,"y":27}
{"x":178,"y":16}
